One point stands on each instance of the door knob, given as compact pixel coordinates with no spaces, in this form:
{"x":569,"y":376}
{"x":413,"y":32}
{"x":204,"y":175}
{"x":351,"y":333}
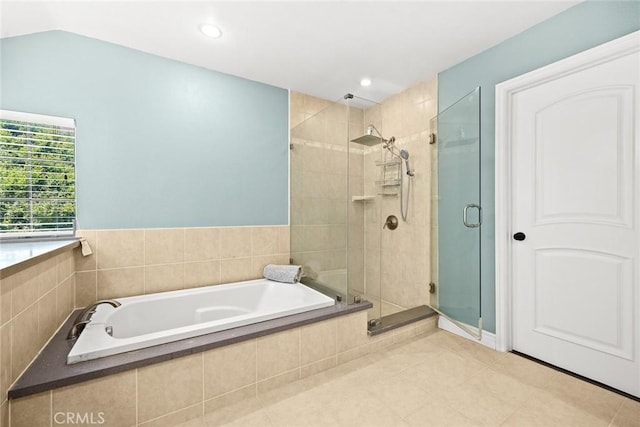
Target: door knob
{"x":519,"y":236}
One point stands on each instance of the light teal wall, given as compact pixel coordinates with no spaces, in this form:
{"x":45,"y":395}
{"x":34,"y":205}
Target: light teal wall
{"x":583,"y":26}
{"x":159,"y":143}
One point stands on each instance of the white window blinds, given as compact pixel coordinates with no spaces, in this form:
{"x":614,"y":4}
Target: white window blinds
{"x":37,"y":175}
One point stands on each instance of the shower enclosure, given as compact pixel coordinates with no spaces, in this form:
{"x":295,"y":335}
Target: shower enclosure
{"x":360,"y":206}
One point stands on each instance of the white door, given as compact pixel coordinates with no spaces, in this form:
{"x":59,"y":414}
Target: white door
{"x":575,"y":197}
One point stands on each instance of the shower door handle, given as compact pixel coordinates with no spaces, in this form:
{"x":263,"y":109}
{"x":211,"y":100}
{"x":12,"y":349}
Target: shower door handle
{"x":464,"y":216}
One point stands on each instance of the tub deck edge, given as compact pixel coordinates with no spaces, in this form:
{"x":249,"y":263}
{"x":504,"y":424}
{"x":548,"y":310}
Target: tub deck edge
{"x":49,"y":369}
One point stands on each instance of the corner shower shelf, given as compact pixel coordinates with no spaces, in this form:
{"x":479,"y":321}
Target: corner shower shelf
{"x":362,"y":198}
{"x":389,"y":182}
{"x":391,"y":162}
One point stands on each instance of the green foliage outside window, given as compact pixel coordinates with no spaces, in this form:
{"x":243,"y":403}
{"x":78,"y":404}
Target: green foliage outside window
{"x":37,"y":177}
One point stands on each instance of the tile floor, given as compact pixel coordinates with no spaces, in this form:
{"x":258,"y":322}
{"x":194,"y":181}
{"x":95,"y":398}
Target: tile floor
{"x":434,"y":380}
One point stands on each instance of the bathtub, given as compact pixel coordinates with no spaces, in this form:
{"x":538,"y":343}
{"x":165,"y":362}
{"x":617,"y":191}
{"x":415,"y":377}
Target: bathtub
{"x":147,"y":320}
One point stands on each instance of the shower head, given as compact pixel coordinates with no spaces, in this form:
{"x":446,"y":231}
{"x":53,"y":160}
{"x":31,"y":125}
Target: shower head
{"x":370,"y":138}
{"x":405,"y":156}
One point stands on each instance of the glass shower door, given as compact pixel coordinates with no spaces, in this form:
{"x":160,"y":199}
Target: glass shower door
{"x":457,"y":214}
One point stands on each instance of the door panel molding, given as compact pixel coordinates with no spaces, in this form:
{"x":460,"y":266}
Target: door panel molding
{"x":612,"y":155}
{"x":591,"y":269}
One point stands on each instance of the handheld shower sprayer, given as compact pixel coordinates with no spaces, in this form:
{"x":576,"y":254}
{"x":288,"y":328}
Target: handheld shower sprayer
{"x":405,"y":156}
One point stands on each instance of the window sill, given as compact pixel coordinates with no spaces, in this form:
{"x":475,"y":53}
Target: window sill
{"x":16,"y":256}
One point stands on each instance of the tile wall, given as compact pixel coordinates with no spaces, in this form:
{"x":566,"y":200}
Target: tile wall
{"x":175,"y":391}
{"x":142,"y":261}
{"x":398,"y":262}
{"x":33,"y":304}
{"x":323,"y":172}
{"x":390,"y":268}
{"x":124,"y":262}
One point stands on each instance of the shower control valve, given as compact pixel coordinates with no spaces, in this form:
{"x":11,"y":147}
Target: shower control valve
{"x":391,"y":223}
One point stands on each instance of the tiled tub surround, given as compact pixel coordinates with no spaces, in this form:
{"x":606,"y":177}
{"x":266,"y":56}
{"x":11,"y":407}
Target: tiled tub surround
{"x":38,"y":296}
{"x":34,"y":301}
{"x":173,"y":391}
{"x":143,"y":261}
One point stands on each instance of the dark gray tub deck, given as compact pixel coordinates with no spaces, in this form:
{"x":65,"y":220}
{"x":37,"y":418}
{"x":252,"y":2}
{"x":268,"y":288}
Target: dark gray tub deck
{"x":50,"y":370}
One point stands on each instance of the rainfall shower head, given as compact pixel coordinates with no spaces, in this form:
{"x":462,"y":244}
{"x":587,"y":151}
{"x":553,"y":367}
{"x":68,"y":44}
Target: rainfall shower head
{"x":370,"y":139}
{"x":405,"y":156}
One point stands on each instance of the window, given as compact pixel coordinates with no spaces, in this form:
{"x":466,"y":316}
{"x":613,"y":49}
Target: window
{"x":37,"y":175}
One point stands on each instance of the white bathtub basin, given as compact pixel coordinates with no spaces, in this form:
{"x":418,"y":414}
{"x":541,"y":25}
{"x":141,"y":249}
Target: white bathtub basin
{"x":147,"y":320}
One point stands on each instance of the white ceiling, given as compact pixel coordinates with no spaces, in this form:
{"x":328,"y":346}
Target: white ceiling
{"x":321,"y":48}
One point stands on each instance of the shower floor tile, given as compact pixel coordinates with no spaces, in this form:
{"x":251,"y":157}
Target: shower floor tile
{"x":434,"y":380}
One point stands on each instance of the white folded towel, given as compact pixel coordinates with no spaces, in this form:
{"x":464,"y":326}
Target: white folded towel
{"x":282,"y":273}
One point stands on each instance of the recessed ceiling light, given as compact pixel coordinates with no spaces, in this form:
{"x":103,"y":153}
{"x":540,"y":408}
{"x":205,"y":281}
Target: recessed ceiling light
{"x":210,"y":30}
{"x":365,"y":82}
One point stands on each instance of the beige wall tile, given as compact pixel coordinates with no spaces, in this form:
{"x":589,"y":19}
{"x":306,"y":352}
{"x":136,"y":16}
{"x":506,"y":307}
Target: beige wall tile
{"x":6,"y":287}
{"x":169,"y":386}
{"x":235,"y":242}
{"x":4,"y":414}
{"x":86,"y":263}
{"x":284,"y":239}
{"x":45,"y":274}
{"x":162,"y":278}
{"x":32,"y":411}
{"x":201,"y":244}
{"x":278,"y":353}
{"x":406,"y":116}
{"x":86,"y":288}
{"x":264,"y":241}
{"x":313,"y":105}
{"x":427,"y":326}
{"x":113,"y":396}
{"x":65,"y":293}
{"x":235,"y":270}
{"x":353,"y":354}
{"x":317,"y":341}
{"x":163,"y":246}
{"x":24,"y":290}
{"x":317,"y":367}
{"x":245,"y":394}
{"x":337,"y":113}
{"x":24,"y":346}
{"x":176,"y":418}
{"x":47,"y":319}
{"x":380,"y":342}
{"x":352,"y":331}
{"x":5,"y":359}
{"x":229,"y":368}
{"x":404,"y":334}
{"x":279,"y":380}
{"x":65,"y":266}
{"x":119,"y":248}
{"x":122,"y":282}
{"x":201,"y":273}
